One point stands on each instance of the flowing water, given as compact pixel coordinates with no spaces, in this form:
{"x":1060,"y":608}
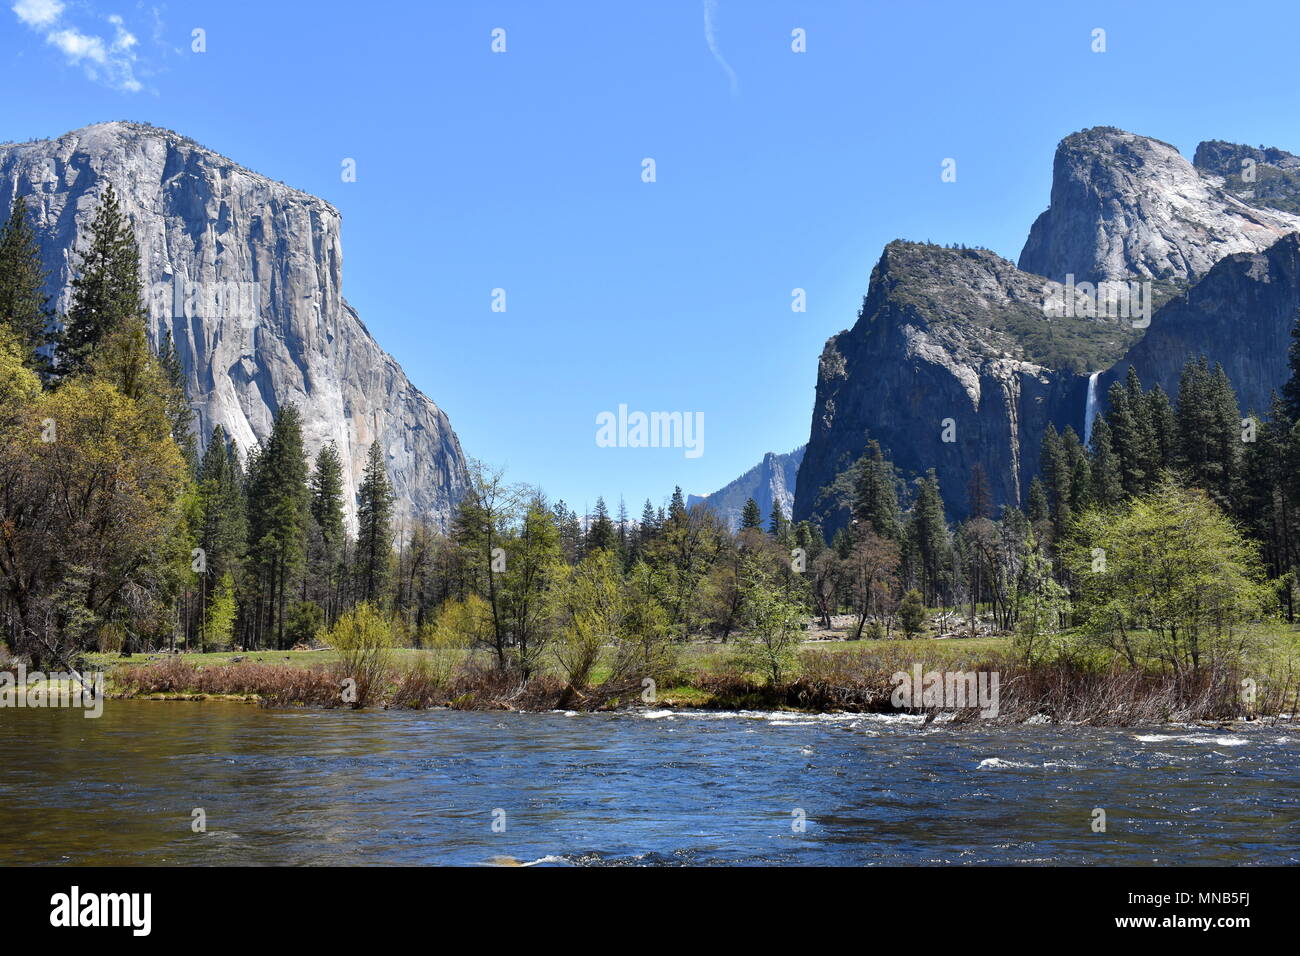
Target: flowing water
{"x":400,"y":787}
{"x":1090,"y":408}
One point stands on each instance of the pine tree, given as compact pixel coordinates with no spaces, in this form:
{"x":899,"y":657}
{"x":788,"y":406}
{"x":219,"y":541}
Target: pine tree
{"x":1291,"y":390}
{"x":330,"y":533}
{"x":979,"y":497}
{"x":24,"y":307}
{"x":1107,"y":484}
{"x":928,"y":534}
{"x":1037,"y":507}
{"x":779,"y":526}
{"x":374,"y":557}
{"x":751,"y":518}
{"x":601,"y":535}
{"x":1209,"y":430}
{"x":677,"y":508}
{"x":107,"y":289}
{"x":875,"y":495}
{"x":1164,"y":430}
{"x":278,"y":500}
{"x":178,"y":407}
{"x":223,"y":534}
{"x":1057,"y":479}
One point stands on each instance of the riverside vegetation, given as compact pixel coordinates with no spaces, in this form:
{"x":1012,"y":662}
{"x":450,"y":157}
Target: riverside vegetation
{"x":1150,"y":576}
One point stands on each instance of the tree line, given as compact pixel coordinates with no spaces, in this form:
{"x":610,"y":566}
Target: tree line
{"x":115,"y":533}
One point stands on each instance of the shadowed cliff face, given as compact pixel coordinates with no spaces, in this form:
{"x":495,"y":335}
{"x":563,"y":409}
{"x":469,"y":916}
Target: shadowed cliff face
{"x":944,"y":335}
{"x":245,"y":273}
{"x":962,"y":335}
{"x":1240,"y":315}
{"x":1126,"y":207}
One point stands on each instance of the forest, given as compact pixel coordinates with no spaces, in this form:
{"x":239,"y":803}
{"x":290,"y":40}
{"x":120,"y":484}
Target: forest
{"x":1161,"y":544}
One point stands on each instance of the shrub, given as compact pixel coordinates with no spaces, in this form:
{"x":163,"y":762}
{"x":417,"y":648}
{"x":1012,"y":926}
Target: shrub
{"x":362,"y":636}
{"x":911,"y":613}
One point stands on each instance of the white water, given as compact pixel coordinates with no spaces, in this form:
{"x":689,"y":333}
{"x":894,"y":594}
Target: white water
{"x":1090,"y":409}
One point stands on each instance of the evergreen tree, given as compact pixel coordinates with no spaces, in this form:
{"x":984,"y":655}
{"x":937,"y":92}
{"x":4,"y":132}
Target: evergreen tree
{"x":1107,"y":483}
{"x":1291,"y":390}
{"x":179,"y":412}
{"x":374,"y":556}
{"x":1057,"y":479}
{"x":1164,"y":430}
{"x":677,"y":508}
{"x":979,"y":497}
{"x":751,"y":518}
{"x":1037,"y":506}
{"x":223,"y":533}
{"x":24,"y":307}
{"x":779,"y":526}
{"x":601,"y":535}
{"x":928,"y":536}
{"x":329,"y":532}
{"x":107,"y":289}
{"x":875,"y":494}
{"x":1078,"y":474}
{"x":278,"y":500}
{"x":1209,"y":430}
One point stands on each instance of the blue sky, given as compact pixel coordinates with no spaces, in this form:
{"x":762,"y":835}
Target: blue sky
{"x":522,"y":171}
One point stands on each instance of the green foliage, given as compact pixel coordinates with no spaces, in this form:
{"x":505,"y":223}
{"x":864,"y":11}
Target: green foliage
{"x":774,"y":627}
{"x":374,"y":557}
{"x":24,"y":308}
{"x":362,"y":636}
{"x":911,"y":613}
{"x":1169,"y":563}
{"x":106,"y":291}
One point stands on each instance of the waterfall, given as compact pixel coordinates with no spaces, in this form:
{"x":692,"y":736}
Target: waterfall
{"x":1090,"y":409}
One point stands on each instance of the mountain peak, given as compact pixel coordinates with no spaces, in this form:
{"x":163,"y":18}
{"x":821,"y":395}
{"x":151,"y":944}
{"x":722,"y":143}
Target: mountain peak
{"x":1127,"y":207}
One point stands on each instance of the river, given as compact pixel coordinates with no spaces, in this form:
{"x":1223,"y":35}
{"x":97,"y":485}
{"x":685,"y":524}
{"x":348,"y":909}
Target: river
{"x":402,"y":787}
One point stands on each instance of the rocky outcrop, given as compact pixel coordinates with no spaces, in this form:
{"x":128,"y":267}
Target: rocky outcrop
{"x":770,"y":483}
{"x":1240,"y":315}
{"x":1125,"y":207}
{"x":1267,"y":177}
{"x":948,"y":366}
{"x":246,"y":275}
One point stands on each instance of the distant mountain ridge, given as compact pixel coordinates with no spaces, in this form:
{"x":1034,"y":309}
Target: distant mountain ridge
{"x":770,"y":483}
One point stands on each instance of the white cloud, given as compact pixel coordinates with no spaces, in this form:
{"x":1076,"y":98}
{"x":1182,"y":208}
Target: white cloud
{"x":711,"y":11}
{"x":38,"y":13}
{"x":103,"y":60}
{"x":77,"y":46}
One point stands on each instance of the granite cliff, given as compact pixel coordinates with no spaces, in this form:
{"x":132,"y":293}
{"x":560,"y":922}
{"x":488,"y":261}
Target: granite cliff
{"x":246,"y":275}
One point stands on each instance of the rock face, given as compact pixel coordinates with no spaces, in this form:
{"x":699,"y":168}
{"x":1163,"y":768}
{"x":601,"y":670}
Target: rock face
{"x":1266,"y":177}
{"x":770,"y":483}
{"x":1125,"y":207}
{"x":961,"y":334}
{"x":245,"y":274}
{"x":1240,"y":315}
{"x":950,"y":344}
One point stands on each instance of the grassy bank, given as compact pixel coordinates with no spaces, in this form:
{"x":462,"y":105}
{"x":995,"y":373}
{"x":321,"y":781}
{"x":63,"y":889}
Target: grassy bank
{"x":1085,"y":686}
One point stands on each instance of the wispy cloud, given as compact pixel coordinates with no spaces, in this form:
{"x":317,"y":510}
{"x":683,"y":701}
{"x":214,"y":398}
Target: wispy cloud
{"x":104,"y":59}
{"x":38,"y":13}
{"x":710,"y":15}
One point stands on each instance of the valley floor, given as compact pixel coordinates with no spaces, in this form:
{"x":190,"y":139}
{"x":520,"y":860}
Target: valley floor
{"x":1086,"y":686}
